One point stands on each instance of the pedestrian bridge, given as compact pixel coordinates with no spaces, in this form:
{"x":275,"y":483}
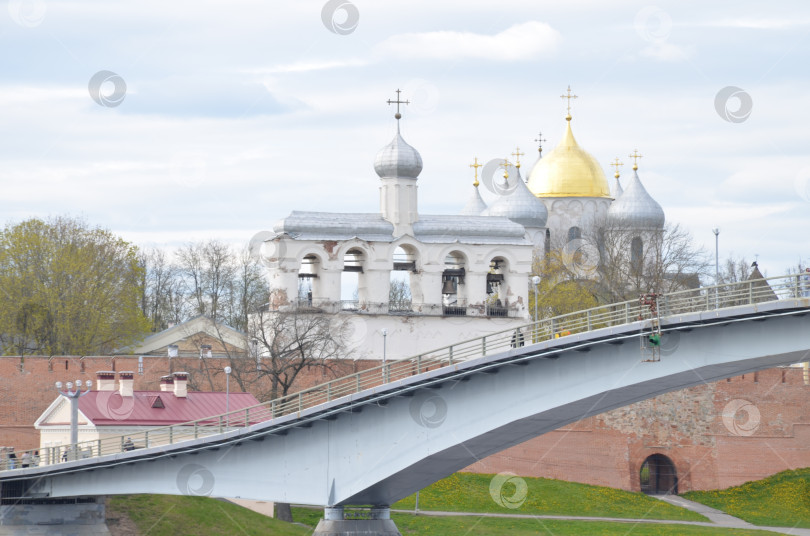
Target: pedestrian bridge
{"x":375,"y":437}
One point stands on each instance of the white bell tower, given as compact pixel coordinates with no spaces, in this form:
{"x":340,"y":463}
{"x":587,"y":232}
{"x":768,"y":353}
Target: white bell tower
{"x":398,"y":165}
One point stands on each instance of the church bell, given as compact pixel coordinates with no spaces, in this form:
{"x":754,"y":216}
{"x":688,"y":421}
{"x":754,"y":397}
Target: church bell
{"x":448,"y":287}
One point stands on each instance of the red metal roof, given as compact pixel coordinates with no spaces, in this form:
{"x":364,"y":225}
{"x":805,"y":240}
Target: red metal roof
{"x":109,"y":408}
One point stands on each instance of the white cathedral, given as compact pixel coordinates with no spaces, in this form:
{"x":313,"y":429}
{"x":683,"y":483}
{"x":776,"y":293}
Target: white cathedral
{"x":465,"y":275}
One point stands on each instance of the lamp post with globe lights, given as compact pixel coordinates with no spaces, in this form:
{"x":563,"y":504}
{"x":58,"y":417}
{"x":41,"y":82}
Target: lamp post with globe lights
{"x":74,"y":392}
{"x":535,"y":282}
{"x":227,"y":396}
{"x":716,"y":232}
{"x":385,"y":337}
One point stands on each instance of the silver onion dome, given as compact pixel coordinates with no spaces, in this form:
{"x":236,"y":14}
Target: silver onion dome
{"x":616,"y":191}
{"x":636,"y":208}
{"x":518,"y":204}
{"x":398,"y":159}
{"x":475,"y":204}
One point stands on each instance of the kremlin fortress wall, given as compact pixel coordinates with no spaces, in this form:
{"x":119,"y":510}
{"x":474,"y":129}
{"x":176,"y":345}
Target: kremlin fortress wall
{"x":715,"y":435}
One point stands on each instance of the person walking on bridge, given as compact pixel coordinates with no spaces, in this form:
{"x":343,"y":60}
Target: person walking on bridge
{"x":517,"y":339}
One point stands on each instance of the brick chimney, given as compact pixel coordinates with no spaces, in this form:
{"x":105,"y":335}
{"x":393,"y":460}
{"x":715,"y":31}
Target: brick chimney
{"x":126,"y":382}
{"x":167,"y":383}
{"x":180,"y":384}
{"x":105,"y":380}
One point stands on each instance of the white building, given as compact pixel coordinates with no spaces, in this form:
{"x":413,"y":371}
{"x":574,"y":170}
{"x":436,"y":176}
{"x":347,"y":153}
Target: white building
{"x":467,"y":274}
{"x":117,"y":411}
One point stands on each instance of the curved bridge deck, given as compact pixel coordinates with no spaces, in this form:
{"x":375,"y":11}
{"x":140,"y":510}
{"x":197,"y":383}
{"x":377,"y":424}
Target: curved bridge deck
{"x":376,"y":436}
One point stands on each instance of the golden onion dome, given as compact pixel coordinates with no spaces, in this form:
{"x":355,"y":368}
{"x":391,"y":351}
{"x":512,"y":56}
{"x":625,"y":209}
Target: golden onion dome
{"x":568,"y":171}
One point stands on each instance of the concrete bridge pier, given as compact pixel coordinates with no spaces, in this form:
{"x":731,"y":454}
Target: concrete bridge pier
{"x":78,"y":516}
{"x":374,"y":522}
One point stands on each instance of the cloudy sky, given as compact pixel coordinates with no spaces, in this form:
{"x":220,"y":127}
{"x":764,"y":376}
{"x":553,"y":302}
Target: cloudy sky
{"x":217,"y":118}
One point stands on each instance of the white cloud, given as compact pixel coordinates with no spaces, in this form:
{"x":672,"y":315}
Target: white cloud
{"x":665,"y":51}
{"x":758,"y":24}
{"x":519,"y":42}
{"x":307,"y":66}
{"x":707,"y":216}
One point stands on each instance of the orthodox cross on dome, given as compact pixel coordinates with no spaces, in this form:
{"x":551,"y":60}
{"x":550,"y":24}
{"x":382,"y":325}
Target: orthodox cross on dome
{"x":505,"y":166}
{"x":476,"y":165}
{"x":398,"y":102}
{"x":539,"y":139}
{"x":616,"y":165}
{"x":635,"y":156}
{"x":569,"y":96}
{"x":517,"y":154}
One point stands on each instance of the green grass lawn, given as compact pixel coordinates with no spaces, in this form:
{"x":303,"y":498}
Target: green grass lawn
{"x":481,"y":526}
{"x":467,"y":492}
{"x":782,"y":500}
{"x":171,"y":515}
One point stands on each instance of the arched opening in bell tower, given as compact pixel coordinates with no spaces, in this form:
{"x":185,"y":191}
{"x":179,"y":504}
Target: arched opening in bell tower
{"x":351,"y":280}
{"x":400,"y":294}
{"x":454,"y":290}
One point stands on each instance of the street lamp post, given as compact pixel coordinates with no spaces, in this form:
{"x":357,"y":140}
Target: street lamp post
{"x":385,"y":337}
{"x":74,"y":395}
{"x":535,"y":282}
{"x":716,"y":232}
{"x":227,"y":396}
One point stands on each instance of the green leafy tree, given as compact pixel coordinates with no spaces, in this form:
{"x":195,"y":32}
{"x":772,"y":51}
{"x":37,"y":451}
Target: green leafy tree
{"x":563,"y":288}
{"x":67,"y":288}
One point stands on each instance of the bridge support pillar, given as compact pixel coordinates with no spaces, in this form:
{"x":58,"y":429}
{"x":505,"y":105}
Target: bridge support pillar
{"x":81,"y":516}
{"x":371,"y":522}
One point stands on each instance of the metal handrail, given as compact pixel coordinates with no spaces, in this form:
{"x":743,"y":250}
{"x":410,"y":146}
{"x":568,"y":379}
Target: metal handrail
{"x":675,"y":303}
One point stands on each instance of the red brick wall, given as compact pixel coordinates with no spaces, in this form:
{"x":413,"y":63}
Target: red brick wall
{"x":771,"y":433}
{"x":686,"y":426}
{"x":27,"y":386}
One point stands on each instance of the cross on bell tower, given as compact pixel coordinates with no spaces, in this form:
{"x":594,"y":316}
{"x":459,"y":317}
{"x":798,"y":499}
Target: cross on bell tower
{"x":398,"y":102}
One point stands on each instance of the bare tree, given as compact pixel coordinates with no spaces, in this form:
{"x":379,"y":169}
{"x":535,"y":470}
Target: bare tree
{"x":399,"y":296}
{"x":248,"y":290}
{"x":290,"y":342}
{"x":735,"y":270}
{"x":611,"y":264}
{"x":632,"y":262}
{"x":163,"y":300}
{"x":209,"y":270}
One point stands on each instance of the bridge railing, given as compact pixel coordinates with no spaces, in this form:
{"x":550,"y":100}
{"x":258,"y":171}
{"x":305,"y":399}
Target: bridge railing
{"x":672,"y":304}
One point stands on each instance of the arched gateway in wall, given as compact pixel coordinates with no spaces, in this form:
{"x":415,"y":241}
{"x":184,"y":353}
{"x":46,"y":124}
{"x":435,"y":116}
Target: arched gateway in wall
{"x":658,"y":476}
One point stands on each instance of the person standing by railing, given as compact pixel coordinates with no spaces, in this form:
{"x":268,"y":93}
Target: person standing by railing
{"x":517,"y":339}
